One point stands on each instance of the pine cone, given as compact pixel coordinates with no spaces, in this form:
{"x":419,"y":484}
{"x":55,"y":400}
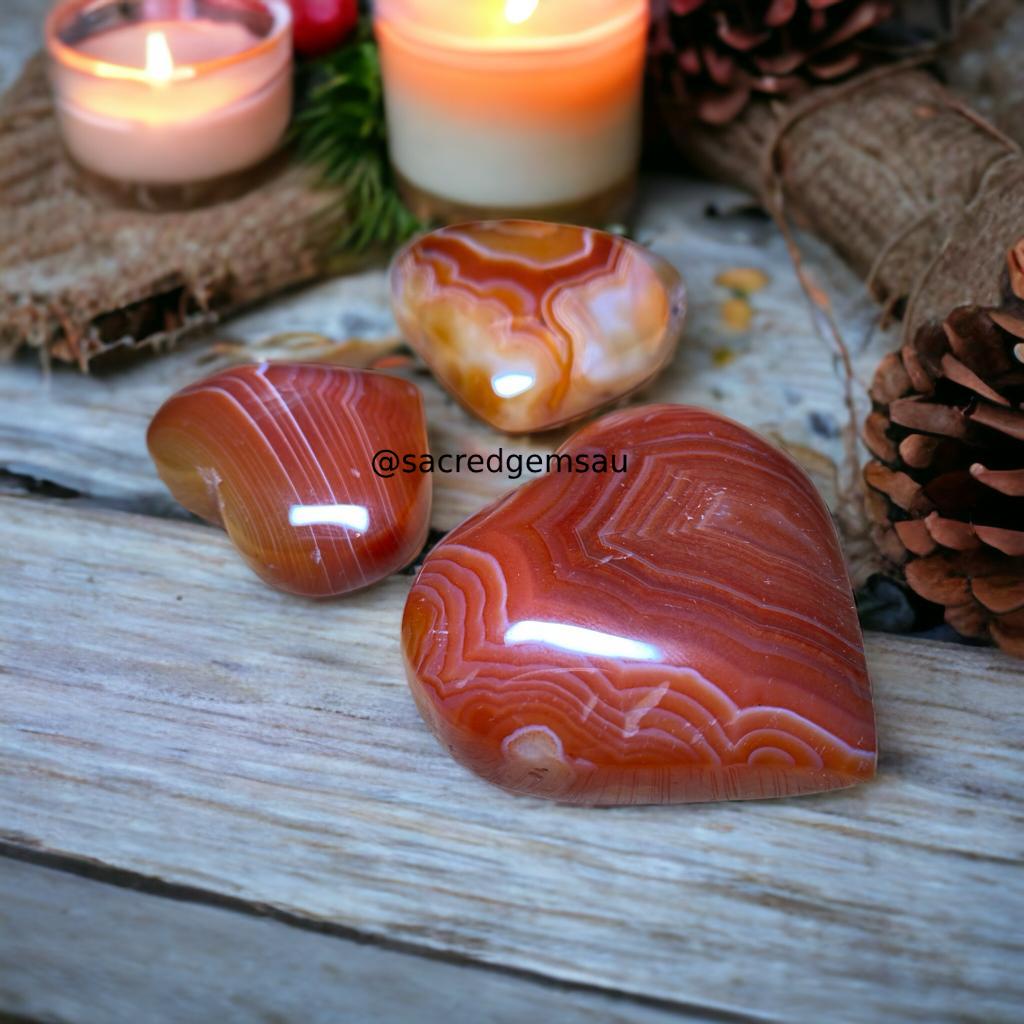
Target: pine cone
{"x":946,"y":491}
{"x":710,"y":56}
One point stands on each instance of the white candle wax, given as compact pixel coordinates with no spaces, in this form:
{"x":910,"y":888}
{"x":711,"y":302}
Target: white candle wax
{"x":513,"y":105}
{"x":177,"y":100}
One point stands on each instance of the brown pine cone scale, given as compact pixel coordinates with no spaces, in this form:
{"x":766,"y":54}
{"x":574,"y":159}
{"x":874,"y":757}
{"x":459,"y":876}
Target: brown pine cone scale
{"x":946,"y":486}
{"x":710,"y":57}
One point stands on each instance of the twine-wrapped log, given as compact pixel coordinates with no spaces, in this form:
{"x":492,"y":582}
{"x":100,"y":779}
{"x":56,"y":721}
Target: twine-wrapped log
{"x":918,"y":193}
{"x":81,"y":275}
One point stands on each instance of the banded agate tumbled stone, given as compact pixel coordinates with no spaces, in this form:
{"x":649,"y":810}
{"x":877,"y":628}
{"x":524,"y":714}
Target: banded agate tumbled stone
{"x":680,"y":631}
{"x":280,"y":456}
{"x":529,"y":324}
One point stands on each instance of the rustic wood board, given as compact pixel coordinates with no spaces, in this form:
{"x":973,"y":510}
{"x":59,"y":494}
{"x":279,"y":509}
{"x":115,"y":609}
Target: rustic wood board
{"x":166,"y":714}
{"x":206,"y":750}
{"x":169,"y":959}
{"x":781,"y":376}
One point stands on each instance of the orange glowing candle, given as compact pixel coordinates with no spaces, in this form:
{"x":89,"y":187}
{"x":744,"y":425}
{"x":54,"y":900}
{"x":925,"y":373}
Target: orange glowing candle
{"x":506,"y":107}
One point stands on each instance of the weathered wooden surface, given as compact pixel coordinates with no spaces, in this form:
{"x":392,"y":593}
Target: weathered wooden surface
{"x":148,"y":958}
{"x":781,"y":376}
{"x":173,"y":728}
{"x":167,"y":714}
{"x":786,"y":375}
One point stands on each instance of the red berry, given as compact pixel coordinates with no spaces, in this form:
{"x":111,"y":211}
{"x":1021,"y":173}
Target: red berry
{"x":321,"y":26}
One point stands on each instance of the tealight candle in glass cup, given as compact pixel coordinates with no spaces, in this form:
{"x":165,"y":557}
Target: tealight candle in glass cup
{"x":525,"y":108}
{"x":164,"y":94}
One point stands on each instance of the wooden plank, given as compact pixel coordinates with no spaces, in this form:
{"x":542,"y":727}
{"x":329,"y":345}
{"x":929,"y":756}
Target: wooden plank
{"x":77,"y":951}
{"x":236,"y":741}
{"x":781,"y":376}
{"x":166,"y":714}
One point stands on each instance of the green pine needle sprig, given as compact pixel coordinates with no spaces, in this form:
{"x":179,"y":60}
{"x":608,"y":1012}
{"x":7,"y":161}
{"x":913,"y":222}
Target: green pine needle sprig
{"x":339,"y":127}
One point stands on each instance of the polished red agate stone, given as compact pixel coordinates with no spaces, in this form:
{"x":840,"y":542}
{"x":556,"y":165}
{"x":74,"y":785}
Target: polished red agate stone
{"x":682,"y":630}
{"x":531,"y":325}
{"x":281,"y":456}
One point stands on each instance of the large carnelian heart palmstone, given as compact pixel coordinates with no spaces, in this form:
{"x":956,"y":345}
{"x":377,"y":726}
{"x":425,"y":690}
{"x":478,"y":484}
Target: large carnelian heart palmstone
{"x":281,"y":456}
{"x":531,"y":325}
{"x":682,"y":631}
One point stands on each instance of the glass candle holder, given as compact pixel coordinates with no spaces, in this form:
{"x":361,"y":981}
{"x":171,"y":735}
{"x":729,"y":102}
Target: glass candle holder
{"x":524,"y":108}
{"x":171,"y":93}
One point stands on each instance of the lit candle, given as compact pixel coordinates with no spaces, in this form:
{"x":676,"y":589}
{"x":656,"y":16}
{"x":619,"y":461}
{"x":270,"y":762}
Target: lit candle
{"x":504,"y":107}
{"x":171,"y":92}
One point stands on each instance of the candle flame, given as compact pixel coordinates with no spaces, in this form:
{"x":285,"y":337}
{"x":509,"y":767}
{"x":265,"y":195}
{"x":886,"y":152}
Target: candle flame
{"x":160,"y":69}
{"x":159,"y":59}
{"x":518,"y":11}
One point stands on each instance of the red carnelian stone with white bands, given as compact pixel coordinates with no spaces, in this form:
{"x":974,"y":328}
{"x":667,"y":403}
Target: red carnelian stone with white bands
{"x":281,"y":456}
{"x":682,"y":631}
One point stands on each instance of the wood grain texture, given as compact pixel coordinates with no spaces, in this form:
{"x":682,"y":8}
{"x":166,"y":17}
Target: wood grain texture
{"x":262,"y":748}
{"x":89,"y":434}
{"x":73,"y":949}
{"x":165,"y":713}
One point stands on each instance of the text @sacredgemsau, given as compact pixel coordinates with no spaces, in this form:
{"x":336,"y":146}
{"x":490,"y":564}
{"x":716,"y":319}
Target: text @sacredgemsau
{"x":388,"y":463}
